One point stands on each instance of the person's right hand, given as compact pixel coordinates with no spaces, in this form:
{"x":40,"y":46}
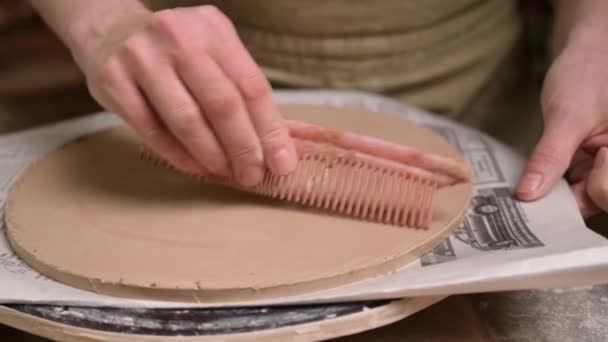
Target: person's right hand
{"x":187,"y":85}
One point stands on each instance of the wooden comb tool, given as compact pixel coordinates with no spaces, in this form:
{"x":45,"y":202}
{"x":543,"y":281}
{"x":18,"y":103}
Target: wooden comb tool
{"x":356,"y":176}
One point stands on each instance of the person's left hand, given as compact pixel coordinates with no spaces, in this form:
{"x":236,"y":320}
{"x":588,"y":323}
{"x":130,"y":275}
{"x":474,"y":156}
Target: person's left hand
{"x":575,"y":137}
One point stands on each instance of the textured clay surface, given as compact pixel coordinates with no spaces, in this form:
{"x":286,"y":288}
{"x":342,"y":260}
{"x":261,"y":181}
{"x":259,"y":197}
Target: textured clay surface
{"x":94,"y":215}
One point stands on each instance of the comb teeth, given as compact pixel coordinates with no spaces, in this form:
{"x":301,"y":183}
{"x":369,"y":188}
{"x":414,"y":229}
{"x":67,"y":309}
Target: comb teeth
{"x":345,"y":185}
{"x":353,"y":188}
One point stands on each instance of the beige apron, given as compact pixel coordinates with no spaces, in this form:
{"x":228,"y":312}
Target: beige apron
{"x":461,"y":58}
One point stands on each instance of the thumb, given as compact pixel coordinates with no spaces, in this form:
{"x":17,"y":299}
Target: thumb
{"x":550,"y":159}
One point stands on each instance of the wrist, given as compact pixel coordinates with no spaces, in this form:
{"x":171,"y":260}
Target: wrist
{"x":587,"y":36}
{"x":579,"y":22}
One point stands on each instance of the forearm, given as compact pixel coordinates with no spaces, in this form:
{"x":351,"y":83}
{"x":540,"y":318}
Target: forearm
{"x":578,"y":18}
{"x":80,"y":22}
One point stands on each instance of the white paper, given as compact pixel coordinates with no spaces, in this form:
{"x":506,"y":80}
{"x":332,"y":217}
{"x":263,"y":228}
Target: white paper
{"x":503,"y":244}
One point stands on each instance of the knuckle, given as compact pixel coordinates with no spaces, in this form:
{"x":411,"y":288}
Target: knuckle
{"x":170,"y":26}
{"x":135,"y":48}
{"x":549,"y":155}
{"x":221,"y":106}
{"x":139,"y":53}
{"x":558,"y":107}
{"x":211,"y":12}
{"x":166,"y":21}
{"x":254,"y":87}
{"x":143,"y":122}
{"x":274,"y":136}
{"x":155,"y":138}
{"x":245,"y":154}
{"x":109,"y":74}
{"x":134,"y":44}
{"x":149,"y":131}
{"x":187,"y":55}
{"x":186,"y":123}
{"x":216,"y":19}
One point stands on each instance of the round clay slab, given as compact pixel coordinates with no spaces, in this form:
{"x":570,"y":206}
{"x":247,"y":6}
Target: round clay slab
{"x":95,"y":216}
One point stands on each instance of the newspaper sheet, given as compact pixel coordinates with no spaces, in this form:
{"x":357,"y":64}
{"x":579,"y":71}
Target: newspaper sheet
{"x":503,"y":244}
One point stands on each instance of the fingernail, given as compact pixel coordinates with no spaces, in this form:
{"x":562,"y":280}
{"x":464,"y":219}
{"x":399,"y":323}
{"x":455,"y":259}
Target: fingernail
{"x":530,"y":184}
{"x":251,"y":176}
{"x":283,"y":162}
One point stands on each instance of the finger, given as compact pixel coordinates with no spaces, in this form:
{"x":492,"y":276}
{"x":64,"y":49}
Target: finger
{"x":584,"y":202}
{"x":550,"y":159}
{"x":239,"y":66}
{"x":226,"y":113}
{"x":594,"y":143}
{"x":175,"y":106}
{"x":597,"y":183}
{"x":580,"y":167}
{"x":120,"y":94}
{"x":579,"y":171}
